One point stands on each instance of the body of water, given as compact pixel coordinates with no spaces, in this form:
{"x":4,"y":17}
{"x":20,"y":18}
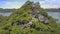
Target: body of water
{"x":55,"y":15}
{"x":6,"y":14}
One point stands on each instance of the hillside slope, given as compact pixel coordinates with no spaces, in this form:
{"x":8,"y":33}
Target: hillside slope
{"x":29,"y":19}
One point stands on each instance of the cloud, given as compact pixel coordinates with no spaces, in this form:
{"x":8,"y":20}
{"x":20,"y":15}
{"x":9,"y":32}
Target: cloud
{"x":12,"y":5}
{"x":19,"y":3}
{"x":50,"y":4}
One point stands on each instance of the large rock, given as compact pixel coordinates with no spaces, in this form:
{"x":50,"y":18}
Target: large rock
{"x":35,"y":13}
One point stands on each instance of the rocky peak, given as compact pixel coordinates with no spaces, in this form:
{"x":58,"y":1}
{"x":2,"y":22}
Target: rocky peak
{"x":36,"y":5}
{"x":28,"y":1}
{"x":36,"y":13}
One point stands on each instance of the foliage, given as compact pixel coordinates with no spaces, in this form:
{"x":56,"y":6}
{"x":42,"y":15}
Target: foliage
{"x":12,"y":24}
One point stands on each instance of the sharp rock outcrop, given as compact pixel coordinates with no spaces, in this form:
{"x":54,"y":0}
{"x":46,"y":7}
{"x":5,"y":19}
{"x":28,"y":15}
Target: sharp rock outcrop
{"x":35,"y":13}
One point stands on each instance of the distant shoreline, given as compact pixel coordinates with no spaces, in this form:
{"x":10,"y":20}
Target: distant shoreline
{"x":53,"y":10}
{"x":11,"y":10}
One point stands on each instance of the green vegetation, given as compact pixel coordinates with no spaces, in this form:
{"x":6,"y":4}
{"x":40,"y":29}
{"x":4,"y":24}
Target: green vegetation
{"x":12,"y":25}
{"x":3,"y":19}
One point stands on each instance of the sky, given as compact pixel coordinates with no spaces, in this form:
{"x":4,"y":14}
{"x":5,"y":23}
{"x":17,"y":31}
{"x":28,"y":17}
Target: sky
{"x":18,"y":3}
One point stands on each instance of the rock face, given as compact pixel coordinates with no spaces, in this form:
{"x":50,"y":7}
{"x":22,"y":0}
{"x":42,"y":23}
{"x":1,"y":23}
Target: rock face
{"x":35,"y":13}
{"x":27,"y":2}
{"x":35,"y":7}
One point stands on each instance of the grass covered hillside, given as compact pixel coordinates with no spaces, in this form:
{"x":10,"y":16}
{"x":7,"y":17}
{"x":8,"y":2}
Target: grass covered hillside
{"x":29,"y":19}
